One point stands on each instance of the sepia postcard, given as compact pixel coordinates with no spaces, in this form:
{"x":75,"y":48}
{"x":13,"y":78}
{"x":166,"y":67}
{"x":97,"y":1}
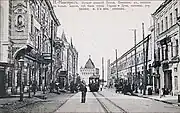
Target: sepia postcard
{"x":94,"y":56}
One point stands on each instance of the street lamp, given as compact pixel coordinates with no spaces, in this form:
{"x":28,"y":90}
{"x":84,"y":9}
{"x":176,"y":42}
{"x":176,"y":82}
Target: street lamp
{"x":29,"y":91}
{"x":21,"y":63}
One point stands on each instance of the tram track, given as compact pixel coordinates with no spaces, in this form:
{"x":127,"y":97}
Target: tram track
{"x":105,"y":105}
{"x":105,"y":108}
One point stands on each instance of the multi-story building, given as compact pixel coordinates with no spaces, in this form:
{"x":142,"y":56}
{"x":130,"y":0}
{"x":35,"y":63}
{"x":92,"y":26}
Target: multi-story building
{"x":74,"y":62}
{"x":65,"y":78}
{"x":30,"y":30}
{"x":29,"y":34}
{"x":5,"y":46}
{"x":126,"y":64}
{"x":166,"y":30}
{"x":69,"y":55}
{"x":58,"y":64}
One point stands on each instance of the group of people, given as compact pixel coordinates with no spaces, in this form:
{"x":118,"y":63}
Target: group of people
{"x":73,"y":87}
{"x":123,"y":87}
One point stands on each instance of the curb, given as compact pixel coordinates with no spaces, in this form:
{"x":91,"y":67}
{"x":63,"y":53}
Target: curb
{"x":157,"y":100}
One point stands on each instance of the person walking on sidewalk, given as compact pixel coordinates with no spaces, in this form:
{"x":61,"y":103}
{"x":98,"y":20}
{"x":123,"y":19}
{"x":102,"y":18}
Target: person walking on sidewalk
{"x":34,"y":86}
{"x":162,"y":93}
{"x":83,"y":89}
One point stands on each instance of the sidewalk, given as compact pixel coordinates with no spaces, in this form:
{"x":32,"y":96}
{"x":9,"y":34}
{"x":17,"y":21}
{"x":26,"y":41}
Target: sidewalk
{"x":169,"y":99}
{"x":14,"y":99}
{"x":36,"y":104}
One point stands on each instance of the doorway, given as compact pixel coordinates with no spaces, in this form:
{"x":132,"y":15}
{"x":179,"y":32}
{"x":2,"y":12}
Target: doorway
{"x":2,"y":83}
{"x":168,"y":80}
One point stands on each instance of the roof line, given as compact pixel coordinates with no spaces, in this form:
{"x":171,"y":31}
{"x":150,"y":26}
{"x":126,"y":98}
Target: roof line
{"x":52,"y":12}
{"x":162,"y":6}
{"x":130,"y":50}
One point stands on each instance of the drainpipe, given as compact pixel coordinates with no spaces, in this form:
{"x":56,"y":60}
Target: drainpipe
{"x":179,"y":44}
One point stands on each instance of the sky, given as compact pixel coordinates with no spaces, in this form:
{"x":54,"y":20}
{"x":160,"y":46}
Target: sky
{"x":99,"y":33}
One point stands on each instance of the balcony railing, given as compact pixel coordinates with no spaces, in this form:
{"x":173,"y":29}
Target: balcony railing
{"x":165,"y":65}
{"x":156,"y":64}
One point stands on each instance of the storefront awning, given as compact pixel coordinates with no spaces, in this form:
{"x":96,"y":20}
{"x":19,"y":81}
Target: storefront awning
{"x":4,"y":64}
{"x":62,"y":73}
{"x":22,"y":51}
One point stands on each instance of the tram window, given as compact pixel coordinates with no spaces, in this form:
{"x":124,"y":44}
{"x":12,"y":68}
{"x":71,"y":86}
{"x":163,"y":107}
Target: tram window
{"x":93,"y":80}
{"x":90,"y":81}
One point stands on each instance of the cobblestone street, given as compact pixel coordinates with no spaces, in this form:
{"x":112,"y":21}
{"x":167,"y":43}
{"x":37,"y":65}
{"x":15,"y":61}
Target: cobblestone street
{"x":66,"y":102}
{"x":118,"y":101}
{"x":35,"y":105}
{"x":75,"y":105}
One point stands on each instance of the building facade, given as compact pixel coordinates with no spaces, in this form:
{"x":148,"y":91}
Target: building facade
{"x":69,"y":55}
{"x":167,"y":39}
{"x":37,"y":29}
{"x":126,"y":64}
{"x":29,"y":34}
{"x":5,"y":46}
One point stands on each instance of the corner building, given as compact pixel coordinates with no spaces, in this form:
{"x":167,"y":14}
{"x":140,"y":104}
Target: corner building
{"x":167,"y":50}
{"x":32,"y":28}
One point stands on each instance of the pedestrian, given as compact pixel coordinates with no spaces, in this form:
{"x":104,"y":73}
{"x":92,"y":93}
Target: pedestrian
{"x":133,"y":87}
{"x":162,"y":92}
{"x":83,"y":93}
{"x":51,"y":87}
{"x":72,"y":86}
{"x":141,"y":88}
{"x":129,"y":88}
{"x":101,"y":87}
{"x":34,"y":87}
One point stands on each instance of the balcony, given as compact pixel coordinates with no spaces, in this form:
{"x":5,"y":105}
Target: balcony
{"x":175,"y":59}
{"x":156,"y":64}
{"x":165,"y":65}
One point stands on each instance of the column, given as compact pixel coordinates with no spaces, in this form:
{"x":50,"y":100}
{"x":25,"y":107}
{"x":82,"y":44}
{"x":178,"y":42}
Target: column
{"x":153,"y":77}
{"x":173,"y":82}
{"x":161,"y":79}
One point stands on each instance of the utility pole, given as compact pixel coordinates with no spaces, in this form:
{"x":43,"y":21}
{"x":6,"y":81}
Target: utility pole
{"x":108,"y":73}
{"x":116,"y":66}
{"x":102,"y":71}
{"x":135,"y":62}
{"x":145,"y":81}
{"x":144,"y":60}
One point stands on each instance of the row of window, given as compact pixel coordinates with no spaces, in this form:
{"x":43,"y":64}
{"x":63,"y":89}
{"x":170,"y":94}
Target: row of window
{"x":42,"y":16}
{"x":164,"y":51}
{"x":40,"y":36}
{"x":161,"y":27}
{"x":131,"y":62}
{"x":87,"y":73}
